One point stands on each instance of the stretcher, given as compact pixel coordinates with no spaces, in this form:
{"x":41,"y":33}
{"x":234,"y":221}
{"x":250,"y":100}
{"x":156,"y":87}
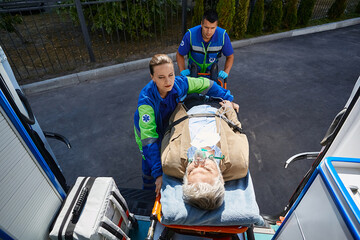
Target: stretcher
{"x":227,"y":221}
{"x":206,"y":231}
{"x":221,"y":82}
{"x":212,"y":75}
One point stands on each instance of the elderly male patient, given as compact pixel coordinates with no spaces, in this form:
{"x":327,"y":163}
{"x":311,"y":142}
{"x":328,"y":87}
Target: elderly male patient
{"x":205,"y":147}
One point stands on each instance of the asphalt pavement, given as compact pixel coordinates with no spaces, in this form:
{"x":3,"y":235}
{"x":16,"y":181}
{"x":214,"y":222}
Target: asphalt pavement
{"x":289,"y":90}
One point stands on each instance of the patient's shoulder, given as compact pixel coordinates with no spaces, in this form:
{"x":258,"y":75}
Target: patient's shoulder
{"x":172,"y":167}
{"x":235,"y":164}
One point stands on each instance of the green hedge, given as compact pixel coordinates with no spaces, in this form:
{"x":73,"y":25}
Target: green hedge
{"x":337,"y":9}
{"x":135,"y":17}
{"x":304,"y":12}
{"x":274,"y":15}
{"x":256,"y":20}
{"x":226,"y":12}
{"x":290,"y":14}
{"x":198,"y":12}
{"x":240,"y":19}
{"x":357,"y":10}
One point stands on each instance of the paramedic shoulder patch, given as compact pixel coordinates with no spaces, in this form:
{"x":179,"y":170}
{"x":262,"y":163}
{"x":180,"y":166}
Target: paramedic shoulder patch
{"x":145,"y":118}
{"x":147,"y":123}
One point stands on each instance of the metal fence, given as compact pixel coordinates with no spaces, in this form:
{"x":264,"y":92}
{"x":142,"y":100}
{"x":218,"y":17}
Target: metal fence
{"x":45,"y":39}
{"x":48,"y":40}
{"x":322,"y":7}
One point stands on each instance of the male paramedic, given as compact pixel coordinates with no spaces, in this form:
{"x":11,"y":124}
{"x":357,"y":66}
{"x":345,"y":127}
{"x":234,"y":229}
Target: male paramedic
{"x":157,"y":101}
{"x":204,"y":45}
{"x":205,"y":147}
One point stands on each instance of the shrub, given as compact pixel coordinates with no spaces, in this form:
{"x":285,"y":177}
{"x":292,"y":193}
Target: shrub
{"x":8,"y":22}
{"x":256,"y":20}
{"x":132,"y":16}
{"x":274,"y":16}
{"x":210,"y":4}
{"x":357,"y":10}
{"x":290,"y":14}
{"x":226,"y":12}
{"x":240,"y":19}
{"x":337,"y":9}
{"x":198,"y":12}
{"x":305,"y":11}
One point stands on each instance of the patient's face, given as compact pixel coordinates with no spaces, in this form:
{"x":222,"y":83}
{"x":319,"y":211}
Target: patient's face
{"x":207,"y":172}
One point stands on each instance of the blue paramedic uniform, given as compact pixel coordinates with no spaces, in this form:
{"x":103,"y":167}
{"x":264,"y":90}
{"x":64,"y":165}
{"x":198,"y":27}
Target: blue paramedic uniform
{"x":204,"y":54}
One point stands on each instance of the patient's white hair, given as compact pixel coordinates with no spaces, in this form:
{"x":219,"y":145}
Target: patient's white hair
{"x":204,"y":195}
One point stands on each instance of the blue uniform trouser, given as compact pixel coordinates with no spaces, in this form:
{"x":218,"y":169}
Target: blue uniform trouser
{"x":148,"y":180}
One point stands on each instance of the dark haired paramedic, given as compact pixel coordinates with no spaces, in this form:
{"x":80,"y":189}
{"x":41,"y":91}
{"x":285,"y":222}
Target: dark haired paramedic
{"x":204,"y":45}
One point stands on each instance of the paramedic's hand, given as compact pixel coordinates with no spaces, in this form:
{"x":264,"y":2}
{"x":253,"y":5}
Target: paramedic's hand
{"x":158,"y":184}
{"x":222,"y":75}
{"x":185,"y":72}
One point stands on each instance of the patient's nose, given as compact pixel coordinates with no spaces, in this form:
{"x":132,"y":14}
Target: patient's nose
{"x":199,"y":162}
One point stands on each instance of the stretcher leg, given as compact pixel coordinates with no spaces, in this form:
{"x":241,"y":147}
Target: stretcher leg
{"x":250,"y":233}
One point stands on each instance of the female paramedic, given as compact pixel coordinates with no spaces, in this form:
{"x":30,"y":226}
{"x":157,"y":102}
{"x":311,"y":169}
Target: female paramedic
{"x":157,"y":101}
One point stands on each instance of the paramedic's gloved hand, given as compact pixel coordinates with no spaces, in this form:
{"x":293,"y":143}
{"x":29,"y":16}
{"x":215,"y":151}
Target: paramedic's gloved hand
{"x":222,"y":75}
{"x":158,"y":183}
{"x":185,"y":72}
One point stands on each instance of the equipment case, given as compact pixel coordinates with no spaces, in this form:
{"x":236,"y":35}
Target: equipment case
{"x":93,"y":209}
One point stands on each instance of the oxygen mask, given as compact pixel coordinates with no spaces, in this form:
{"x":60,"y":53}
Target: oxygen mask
{"x":200,"y":156}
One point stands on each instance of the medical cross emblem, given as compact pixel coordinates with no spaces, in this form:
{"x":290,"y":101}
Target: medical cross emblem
{"x":145,"y":118}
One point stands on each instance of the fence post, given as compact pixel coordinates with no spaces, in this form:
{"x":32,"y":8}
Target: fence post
{"x":184,"y":9}
{"x":84,"y":30}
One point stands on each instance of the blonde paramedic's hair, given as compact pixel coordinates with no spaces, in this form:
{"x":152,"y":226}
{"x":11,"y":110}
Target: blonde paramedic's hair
{"x":204,"y":195}
{"x":158,"y":59}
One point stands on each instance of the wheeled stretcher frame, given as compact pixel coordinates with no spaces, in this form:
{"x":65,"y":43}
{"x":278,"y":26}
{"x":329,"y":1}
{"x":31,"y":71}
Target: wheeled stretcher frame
{"x":205,"y":231}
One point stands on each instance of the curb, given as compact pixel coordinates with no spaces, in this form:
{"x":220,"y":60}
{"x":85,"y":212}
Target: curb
{"x":104,"y":72}
{"x":296,"y":32}
{"x":86,"y":76}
